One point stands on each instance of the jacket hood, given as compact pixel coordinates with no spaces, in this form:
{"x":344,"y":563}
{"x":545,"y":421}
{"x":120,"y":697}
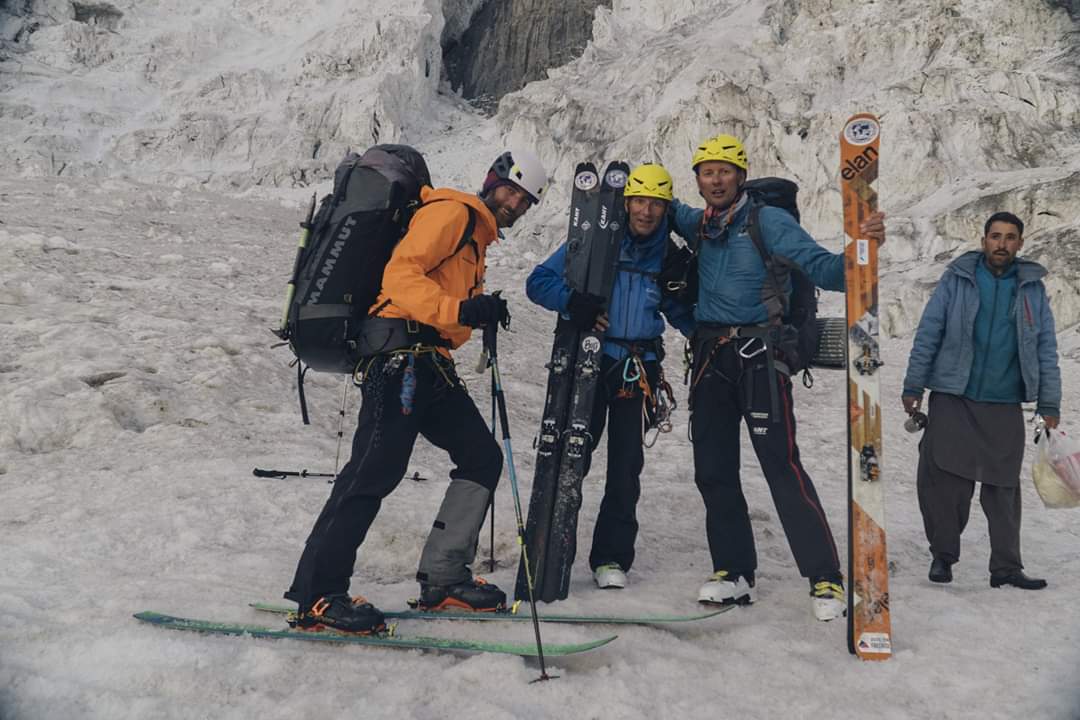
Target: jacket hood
{"x":1026,"y":270}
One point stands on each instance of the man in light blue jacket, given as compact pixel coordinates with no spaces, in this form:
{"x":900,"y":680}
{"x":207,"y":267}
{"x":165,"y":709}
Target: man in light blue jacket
{"x":631,"y":375}
{"x":986,"y":343}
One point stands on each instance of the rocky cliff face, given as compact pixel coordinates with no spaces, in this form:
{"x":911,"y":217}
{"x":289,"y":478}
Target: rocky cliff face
{"x":980,"y":101}
{"x":270,"y":92}
{"x":267,"y":92}
{"x":512,"y":42}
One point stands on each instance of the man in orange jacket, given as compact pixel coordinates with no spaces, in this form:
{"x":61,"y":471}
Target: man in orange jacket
{"x":432,"y":297}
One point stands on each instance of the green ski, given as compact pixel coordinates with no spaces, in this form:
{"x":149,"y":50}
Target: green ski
{"x":523,"y":649}
{"x":525,"y":617}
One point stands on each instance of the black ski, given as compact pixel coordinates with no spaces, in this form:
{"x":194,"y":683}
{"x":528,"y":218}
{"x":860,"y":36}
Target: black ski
{"x":591,"y":259}
{"x":603,"y":260}
{"x":583,"y":204}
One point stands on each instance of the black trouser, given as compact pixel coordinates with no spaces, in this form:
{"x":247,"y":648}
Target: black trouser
{"x":726,"y":391}
{"x":620,"y":403}
{"x":442,"y":411}
{"x":945,"y":502}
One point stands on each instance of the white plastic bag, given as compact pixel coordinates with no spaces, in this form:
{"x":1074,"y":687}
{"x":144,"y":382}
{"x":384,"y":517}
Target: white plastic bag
{"x":1056,"y":467}
{"x":1064,"y":456}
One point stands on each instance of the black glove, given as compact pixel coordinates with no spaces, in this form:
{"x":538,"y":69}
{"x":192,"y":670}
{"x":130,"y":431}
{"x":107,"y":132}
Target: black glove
{"x":583,"y":309}
{"x":483,"y":310}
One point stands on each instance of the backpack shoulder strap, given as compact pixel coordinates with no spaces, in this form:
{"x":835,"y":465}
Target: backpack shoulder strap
{"x":754,"y":228}
{"x":466,"y":238}
{"x":470,"y":228}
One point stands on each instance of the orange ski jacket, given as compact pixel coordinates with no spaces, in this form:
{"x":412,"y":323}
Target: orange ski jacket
{"x":427,"y":276}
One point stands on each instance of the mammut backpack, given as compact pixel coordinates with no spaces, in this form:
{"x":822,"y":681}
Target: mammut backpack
{"x":343,"y":251}
{"x":345,"y":246}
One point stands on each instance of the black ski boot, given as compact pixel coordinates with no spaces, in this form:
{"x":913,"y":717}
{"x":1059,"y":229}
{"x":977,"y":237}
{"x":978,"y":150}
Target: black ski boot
{"x":475,"y":595}
{"x":342,"y":613}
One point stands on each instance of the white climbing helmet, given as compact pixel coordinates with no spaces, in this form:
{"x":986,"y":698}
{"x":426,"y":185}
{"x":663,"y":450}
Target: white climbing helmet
{"x":521,"y":168}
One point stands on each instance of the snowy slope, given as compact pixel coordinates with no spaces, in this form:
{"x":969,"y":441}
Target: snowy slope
{"x":140,"y":392}
{"x":140,"y":388}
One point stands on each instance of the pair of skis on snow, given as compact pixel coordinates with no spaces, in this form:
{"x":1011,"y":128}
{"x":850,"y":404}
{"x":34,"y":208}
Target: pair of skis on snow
{"x":594,"y":240}
{"x":413,"y":642}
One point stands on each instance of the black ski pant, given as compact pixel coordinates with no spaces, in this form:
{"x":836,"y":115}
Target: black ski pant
{"x":619,"y":403}
{"x":728,"y":390}
{"x":439,"y":409}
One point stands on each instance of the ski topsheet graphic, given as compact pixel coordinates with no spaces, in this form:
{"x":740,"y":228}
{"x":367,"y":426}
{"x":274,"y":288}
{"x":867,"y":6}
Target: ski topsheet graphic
{"x":603,"y":257}
{"x":869,"y":628}
{"x":597,"y":227}
{"x":549,"y":441}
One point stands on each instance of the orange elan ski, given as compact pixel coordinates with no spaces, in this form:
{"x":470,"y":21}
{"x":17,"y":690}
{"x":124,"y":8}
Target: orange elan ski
{"x":869,"y":629}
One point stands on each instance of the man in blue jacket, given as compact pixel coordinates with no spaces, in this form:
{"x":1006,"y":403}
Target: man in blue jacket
{"x":738,"y":325}
{"x":985,"y":344}
{"x":631,"y":375}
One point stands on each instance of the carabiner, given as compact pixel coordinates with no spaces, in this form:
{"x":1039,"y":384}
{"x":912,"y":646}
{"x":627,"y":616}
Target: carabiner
{"x":743,"y":350}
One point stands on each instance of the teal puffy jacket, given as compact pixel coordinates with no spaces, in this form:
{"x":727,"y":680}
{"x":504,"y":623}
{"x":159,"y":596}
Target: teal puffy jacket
{"x":943,"y":353}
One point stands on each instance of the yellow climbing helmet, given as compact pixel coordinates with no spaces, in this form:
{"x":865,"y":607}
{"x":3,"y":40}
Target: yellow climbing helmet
{"x":725,"y":148}
{"x":649,"y":180}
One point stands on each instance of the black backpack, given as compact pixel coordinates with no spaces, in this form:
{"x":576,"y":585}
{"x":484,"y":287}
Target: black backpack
{"x":799,"y":332}
{"x":337,"y":274}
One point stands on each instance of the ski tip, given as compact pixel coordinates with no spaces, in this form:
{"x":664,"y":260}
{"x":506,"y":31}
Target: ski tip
{"x":861,"y":129}
{"x":717,"y":611}
{"x":616,"y":174}
{"x":585,"y":646}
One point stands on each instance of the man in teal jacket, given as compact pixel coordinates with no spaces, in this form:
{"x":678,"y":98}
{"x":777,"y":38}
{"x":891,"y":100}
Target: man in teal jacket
{"x":737,"y":319}
{"x":986,"y":343}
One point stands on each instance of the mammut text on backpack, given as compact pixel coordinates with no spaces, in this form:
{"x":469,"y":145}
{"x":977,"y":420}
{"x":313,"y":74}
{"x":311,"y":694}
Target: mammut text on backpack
{"x":345,"y":247}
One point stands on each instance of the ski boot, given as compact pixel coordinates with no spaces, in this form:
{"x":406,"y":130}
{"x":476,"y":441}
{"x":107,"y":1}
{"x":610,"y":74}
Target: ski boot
{"x":476,"y":595}
{"x":342,"y":613}
{"x":728,"y":588}
{"x":609,"y":575}
{"x":827,"y":597}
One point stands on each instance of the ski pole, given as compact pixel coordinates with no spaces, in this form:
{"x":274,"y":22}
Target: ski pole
{"x":290,"y":289}
{"x":490,"y":333}
{"x":491,"y":556}
{"x":282,"y":474}
{"x":341,"y":426}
